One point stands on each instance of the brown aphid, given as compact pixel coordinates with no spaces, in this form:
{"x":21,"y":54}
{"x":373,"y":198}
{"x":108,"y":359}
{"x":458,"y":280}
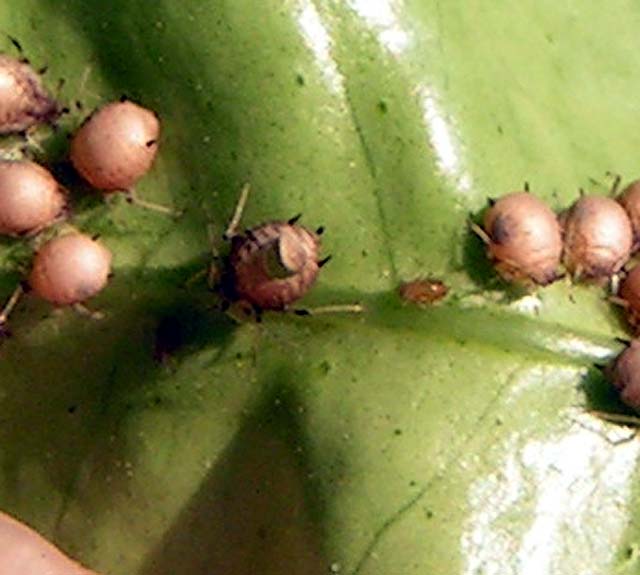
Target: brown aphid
{"x":523,"y":239}
{"x":24,"y":102}
{"x":629,"y":296}
{"x":630,"y":200}
{"x":116,"y":145}
{"x":423,"y":291}
{"x":625,"y":375}
{"x":30,"y":198}
{"x":70,"y":269}
{"x":272,"y":265}
{"x":597,"y":237}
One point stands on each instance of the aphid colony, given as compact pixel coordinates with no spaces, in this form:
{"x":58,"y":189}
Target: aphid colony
{"x":269,"y":267}
{"x":113,"y":148}
{"x":593,"y":240}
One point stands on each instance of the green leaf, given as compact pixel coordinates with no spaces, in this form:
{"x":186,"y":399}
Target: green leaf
{"x":171,"y":438}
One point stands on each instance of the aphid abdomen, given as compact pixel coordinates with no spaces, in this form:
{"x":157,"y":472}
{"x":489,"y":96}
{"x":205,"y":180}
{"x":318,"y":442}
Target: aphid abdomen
{"x":273,"y":265}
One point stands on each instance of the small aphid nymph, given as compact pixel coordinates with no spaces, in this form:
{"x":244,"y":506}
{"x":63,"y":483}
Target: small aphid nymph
{"x":523,"y":239}
{"x":30,"y":198}
{"x":70,"y":269}
{"x":24,"y":102}
{"x":626,"y":375}
{"x":597,"y":237}
{"x":116,"y":146}
{"x":423,"y":291}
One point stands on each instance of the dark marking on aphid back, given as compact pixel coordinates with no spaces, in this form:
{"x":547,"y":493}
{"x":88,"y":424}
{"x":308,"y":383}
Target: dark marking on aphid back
{"x":501,"y":229}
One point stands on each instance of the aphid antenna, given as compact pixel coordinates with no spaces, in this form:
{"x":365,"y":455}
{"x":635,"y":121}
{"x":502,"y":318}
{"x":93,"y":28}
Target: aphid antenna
{"x":327,"y":309}
{"x":133,"y":198}
{"x":232,"y":228}
{"x":11,"y":304}
{"x":476,"y":229}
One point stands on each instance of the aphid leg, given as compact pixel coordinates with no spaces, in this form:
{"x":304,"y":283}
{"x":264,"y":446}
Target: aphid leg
{"x":132,"y":198}
{"x":232,"y":228}
{"x":526,"y":187}
{"x":621,"y":418}
{"x":614,"y":284}
{"x":476,"y":229}
{"x":9,"y":306}
{"x":324,"y":261}
{"x":294,"y":219}
{"x":339,"y":308}
{"x":85,"y":311}
{"x":617,"y":300}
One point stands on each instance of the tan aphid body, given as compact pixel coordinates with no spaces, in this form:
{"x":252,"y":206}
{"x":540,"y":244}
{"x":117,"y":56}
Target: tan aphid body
{"x":25,"y":552}
{"x":70,"y":269}
{"x":626,"y":375}
{"x":423,"y":291}
{"x":272,"y":265}
{"x":597,"y":237}
{"x":629,"y":293}
{"x":23,"y":100}
{"x":524,"y":239}
{"x":30,"y":198}
{"x":116,"y":145}
{"x":630,"y":201}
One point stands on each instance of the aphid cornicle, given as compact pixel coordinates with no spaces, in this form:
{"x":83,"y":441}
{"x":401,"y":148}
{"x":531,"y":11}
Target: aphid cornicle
{"x":70,"y":269}
{"x":597,"y":237}
{"x":523,"y":239}
{"x":116,"y":145}
{"x":30,"y":198}
{"x":24,"y":102}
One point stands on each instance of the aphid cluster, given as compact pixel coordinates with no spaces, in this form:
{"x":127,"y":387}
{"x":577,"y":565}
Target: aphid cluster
{"x":112,"y":149}
{"x":593,"y":240}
